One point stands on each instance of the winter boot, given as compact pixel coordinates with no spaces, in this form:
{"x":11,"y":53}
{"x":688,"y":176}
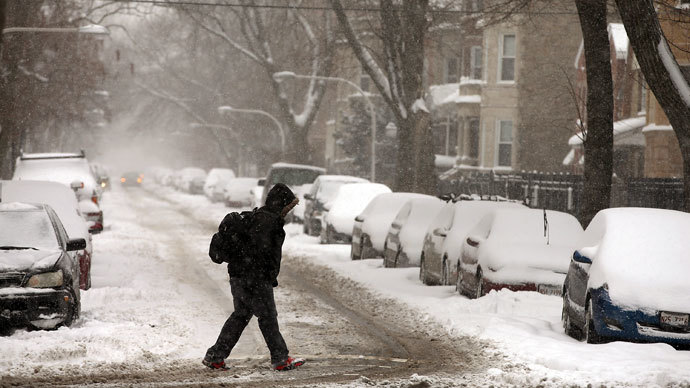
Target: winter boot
{"x":290,"y":363}
{"x":214,"y":364}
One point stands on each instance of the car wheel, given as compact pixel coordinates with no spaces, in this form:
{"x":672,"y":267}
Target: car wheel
{"x":352,"y":251}
{"x":305,"y":229}
{"x":590,"y":332}
{"x":72,"y":312}
{"x":444,"y":271}
{"x":570,"y":330}
{"x":480,"y":284}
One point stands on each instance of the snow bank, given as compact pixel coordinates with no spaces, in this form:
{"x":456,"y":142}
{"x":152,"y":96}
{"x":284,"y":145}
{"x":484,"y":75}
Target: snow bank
{"x":349,"y":202}
{"x":642,"y":254}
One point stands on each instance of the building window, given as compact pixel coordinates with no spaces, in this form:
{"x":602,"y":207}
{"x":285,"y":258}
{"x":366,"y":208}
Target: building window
{"x":473,"y":143}
{"x":505,"y":143}
{"x":452,"y":70}
{"x":506,"y":61}
{"x":476,"y":62}
{"x":364,"y":80}
{"x":445,"y":132}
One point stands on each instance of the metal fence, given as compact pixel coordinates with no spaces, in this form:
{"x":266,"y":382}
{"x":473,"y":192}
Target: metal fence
{"x":563,"y":192}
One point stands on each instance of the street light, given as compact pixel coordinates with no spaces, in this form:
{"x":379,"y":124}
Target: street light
{"x":281,"y":131}
{"x":90,"y":29}
{"x":285,"y":75}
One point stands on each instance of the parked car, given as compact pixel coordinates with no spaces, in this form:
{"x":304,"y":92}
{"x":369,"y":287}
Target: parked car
{"x":191,"y":180}
{"x":628,"y":279}
{"x":257,"y":192}
{"x":350,"y":200}
{"x":403,"y":244}
{"x":39,"y":273}
{"x":72,"y":170}
{"x":100,"y":173}
{"x":62,"y":200}
{"x":518,"y":249}
{"x":446,"y":233}
{"x":318,"y":200}
{"x":132,"y":178}
{"x":371,"y":226}
{"x":238,"y":192}
{"x":215,"y":184}
{"x":294,"y":176}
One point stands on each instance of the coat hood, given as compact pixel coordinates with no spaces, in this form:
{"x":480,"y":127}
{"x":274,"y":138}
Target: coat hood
{"x":279,"y":198}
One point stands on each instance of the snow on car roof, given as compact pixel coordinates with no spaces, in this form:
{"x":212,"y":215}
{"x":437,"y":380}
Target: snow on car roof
{"x":381,"y":212}
{"x":64,"y":171}
{"x":642,"y":254}
{"x":17,"y":206}
{"x":423,"y":211}
{"x":349,"y":202}
{"x":293,"y":165}
{"x":52,"y":155}
{"x":341,"y":178}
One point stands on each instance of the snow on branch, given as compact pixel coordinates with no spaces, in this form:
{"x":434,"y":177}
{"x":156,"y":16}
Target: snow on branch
{"x":674,"y":72}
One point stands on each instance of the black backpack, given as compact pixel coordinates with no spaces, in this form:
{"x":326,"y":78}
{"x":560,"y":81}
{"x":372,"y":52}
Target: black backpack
{"x":233,"y":243}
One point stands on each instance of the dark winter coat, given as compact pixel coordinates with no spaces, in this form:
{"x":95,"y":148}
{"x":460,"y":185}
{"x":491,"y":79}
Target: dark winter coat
{"x":267,"y":236}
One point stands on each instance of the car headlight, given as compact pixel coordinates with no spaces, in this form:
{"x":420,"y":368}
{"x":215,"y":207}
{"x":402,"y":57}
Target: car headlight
{"x":46,"y":280}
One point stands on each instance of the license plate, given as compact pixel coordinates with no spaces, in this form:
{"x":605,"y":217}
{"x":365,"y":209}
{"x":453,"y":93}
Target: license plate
{"x":674,"y":319}
{"x":549,"y":290}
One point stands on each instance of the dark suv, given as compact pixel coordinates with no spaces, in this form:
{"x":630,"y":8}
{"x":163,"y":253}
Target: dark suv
{"x":39,"y":273}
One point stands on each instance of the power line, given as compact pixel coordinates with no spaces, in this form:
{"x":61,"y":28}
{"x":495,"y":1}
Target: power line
{"x":324,"y":8}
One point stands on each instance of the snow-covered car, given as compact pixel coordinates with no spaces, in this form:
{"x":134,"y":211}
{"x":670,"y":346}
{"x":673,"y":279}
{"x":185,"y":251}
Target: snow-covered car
{"x":70,"y":169}
{"x":191,"y":180}
{"x":372,"y":224}
{"x":257,"y":192}
{"x":446,"y":233}
{"x":403,"y":244}
{"x":39,"y":273}
{"x":131,"y":178}
{"x":238,"y":192}
{"x":215,"y":183}
{"x":350,"y":200}
{"x":628,"y":278}
{"x":62,"y":200}
{"x":318,"y":200}
{"x":518,"y":249}
{"x":101,"y":174}
{"x":292,"y":175}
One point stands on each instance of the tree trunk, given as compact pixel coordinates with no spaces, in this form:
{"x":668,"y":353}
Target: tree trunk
{"x":598,"y":143}
{"x":661,"y":72}
{"x":3,"y":8}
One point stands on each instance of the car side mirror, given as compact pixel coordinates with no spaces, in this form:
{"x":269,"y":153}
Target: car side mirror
{"x":76,"y":244}
{"x":579,"y":258}
{"x":261,"y":182}
{"x":308,"y":196}
{"x":474,"y":241}
{"x":76,"y":185}
{"x":359,"y":219}
{"x":440,"y":232}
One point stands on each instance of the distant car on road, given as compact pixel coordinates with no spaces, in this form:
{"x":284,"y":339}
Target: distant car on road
{"x":70,"y":169}
{"x":62,"y":200}
{"x":191,"y":180}
{"x":350,"y":200}
{"x":215,"y":183}
{"x":518,"y":249}
{"x":132,"y":178}
{"x":39,"y":274}
{"x":318,"y":200}
{"x":628,"y":279}
{"x":238,"y":192}
{"x":371,"y":226}
{"x":403,"y":244}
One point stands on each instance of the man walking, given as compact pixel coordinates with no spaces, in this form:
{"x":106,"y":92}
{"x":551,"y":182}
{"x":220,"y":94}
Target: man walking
{"x":252,"y":285}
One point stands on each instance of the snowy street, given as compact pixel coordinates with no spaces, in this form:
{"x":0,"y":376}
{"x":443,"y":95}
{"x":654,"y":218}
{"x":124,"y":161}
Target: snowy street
{"x":158,"y":302}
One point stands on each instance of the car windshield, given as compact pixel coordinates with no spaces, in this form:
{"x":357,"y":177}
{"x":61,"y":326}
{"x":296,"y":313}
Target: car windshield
{"x":293,"y":176}
{"x":27,"y":229}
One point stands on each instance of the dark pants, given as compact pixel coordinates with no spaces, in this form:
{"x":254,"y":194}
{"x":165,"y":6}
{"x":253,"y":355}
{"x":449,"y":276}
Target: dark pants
{"x":250,"y":298}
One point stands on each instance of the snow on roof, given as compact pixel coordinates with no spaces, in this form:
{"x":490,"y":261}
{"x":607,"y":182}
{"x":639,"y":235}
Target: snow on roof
{"x":419,"y":105}
{"x":450,"y":94}
{"x":293,"y":165}
{"x":16,"y":206}
{"x":655,"y":127}
{"x":620,"y":127}
{"x":440,"y":92}
{"x":570,"y":158}
{"x":619,"y":38}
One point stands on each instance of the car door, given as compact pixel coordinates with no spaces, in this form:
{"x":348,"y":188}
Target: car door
{"x":433,"y":243}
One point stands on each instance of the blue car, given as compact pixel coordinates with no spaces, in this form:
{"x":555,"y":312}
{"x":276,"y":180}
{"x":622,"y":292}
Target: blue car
{"x":628,"y":279}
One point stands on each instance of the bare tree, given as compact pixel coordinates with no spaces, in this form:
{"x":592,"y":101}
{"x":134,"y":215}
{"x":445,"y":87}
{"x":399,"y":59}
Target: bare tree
{"x":3,"y":7}
{"x":598,"y":142}
{"x":398,"y":76}
{"x":273,"y":41}
{"x":662,"y":73}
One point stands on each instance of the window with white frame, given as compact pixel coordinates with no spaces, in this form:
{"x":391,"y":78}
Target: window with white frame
{"x":506,"y":62}
{"x":505,"y":143}
{"x":476,"y":62}
{"x":452,"y":70}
